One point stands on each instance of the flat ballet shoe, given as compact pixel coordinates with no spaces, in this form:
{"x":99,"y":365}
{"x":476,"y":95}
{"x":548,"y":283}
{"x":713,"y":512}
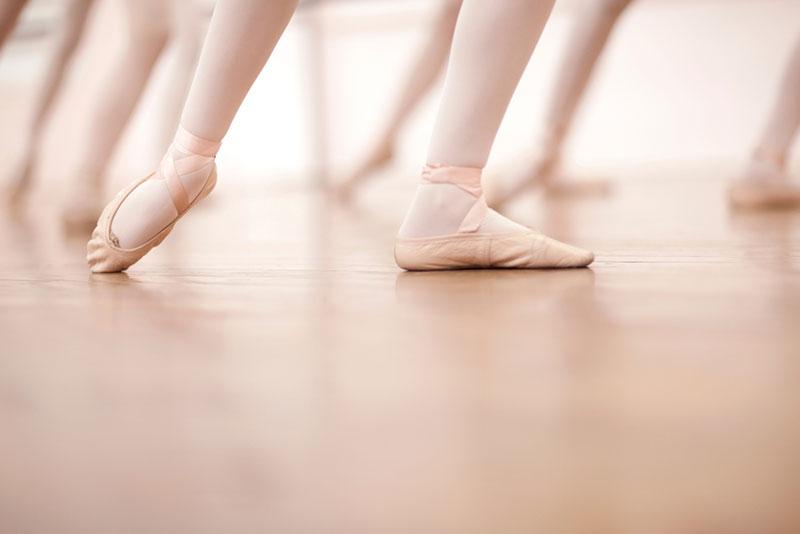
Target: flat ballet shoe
{"x":523,"y":250}
{"x":103,"y":252}
{"x":764,"y":194}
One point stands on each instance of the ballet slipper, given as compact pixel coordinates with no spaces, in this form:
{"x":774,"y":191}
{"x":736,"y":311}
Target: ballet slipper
{"x":764,"y":194}
{"x":529,"y":250}
{"x":470,"y":248}
{"x":103,"y":252}
{"x":765,"y":185}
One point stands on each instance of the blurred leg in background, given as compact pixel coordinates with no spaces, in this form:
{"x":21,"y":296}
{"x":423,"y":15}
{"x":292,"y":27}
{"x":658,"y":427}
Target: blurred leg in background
{"x":425,"y":70}
{"x":151,"y":26}
{"x":240,"y":39}
{"x":765,"y":182}
{"x":9,"y":13}
{"x":448,"y":224}
{"x":585,"y":44}
{"x":76,"y":13}
{"x":147,"y":33}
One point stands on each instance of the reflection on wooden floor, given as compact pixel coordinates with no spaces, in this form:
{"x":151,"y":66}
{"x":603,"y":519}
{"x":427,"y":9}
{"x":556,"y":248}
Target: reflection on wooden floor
{"x":269,"y":370}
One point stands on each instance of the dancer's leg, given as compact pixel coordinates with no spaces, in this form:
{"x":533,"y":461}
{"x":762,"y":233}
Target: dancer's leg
{"x":240,"y":38}
{"x":9,"y":13}
{"x":585,"y":44}
{"x":147,"y":34}
{"x":188,"y":25}
{"x":423,"y":74}
{"x":784,"y":118}
{"x":448,"y":224}
{"x":765,"y":182}
{"x":76,"y":13}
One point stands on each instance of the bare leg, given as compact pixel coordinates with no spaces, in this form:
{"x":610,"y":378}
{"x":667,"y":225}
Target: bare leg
{"x":74,"y":22}
{"x":9,"y":13}
{"x":423,"y":74}
{"x":586,"y":43}
{"x":448,"y":224}
{"x":765,"y":183}
{"x":240,"y":39}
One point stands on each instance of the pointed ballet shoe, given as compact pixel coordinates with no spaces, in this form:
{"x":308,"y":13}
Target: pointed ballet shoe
{"x":523,"y":250}
{"x":764,"y":194}
{"x":103,"y":253}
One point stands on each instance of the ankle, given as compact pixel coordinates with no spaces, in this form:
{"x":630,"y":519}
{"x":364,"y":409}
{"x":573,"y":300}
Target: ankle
{"x":448,"y":200}
{"x":186,"y":166}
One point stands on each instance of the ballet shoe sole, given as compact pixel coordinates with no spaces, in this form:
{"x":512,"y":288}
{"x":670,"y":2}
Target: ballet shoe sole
{"x":103,"y":256}
{"x":528,"y":250}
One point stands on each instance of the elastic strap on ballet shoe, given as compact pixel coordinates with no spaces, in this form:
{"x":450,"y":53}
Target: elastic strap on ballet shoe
{"x":201,"y":152}
{"x":467,"y":179}
{"x":191,"y":144}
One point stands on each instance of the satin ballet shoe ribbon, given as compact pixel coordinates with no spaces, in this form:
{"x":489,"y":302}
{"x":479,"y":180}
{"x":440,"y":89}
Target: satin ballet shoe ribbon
{"x":201,"y":152}
{"x":467,"y":179}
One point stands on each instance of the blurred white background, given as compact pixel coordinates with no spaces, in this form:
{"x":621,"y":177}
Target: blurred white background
{"x":682,"y":81}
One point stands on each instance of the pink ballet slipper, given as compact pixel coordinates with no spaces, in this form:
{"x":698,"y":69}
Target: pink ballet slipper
{"x":470,"y":248}
{"x":764,"y":194}
{"x":104,"y":255}
{"x":764,"y":186}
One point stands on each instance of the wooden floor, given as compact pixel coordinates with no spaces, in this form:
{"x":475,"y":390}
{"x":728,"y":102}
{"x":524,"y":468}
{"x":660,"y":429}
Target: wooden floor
{"x":269,"y":369}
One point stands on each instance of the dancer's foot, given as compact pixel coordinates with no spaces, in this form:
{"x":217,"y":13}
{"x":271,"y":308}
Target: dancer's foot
{"x":379,"y":157}
{"x":449,"y":226}
{"x":144,"y":213}
{"x":764,"y":185}
{"x":18,"y":184}
{"x":83,"y":205}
